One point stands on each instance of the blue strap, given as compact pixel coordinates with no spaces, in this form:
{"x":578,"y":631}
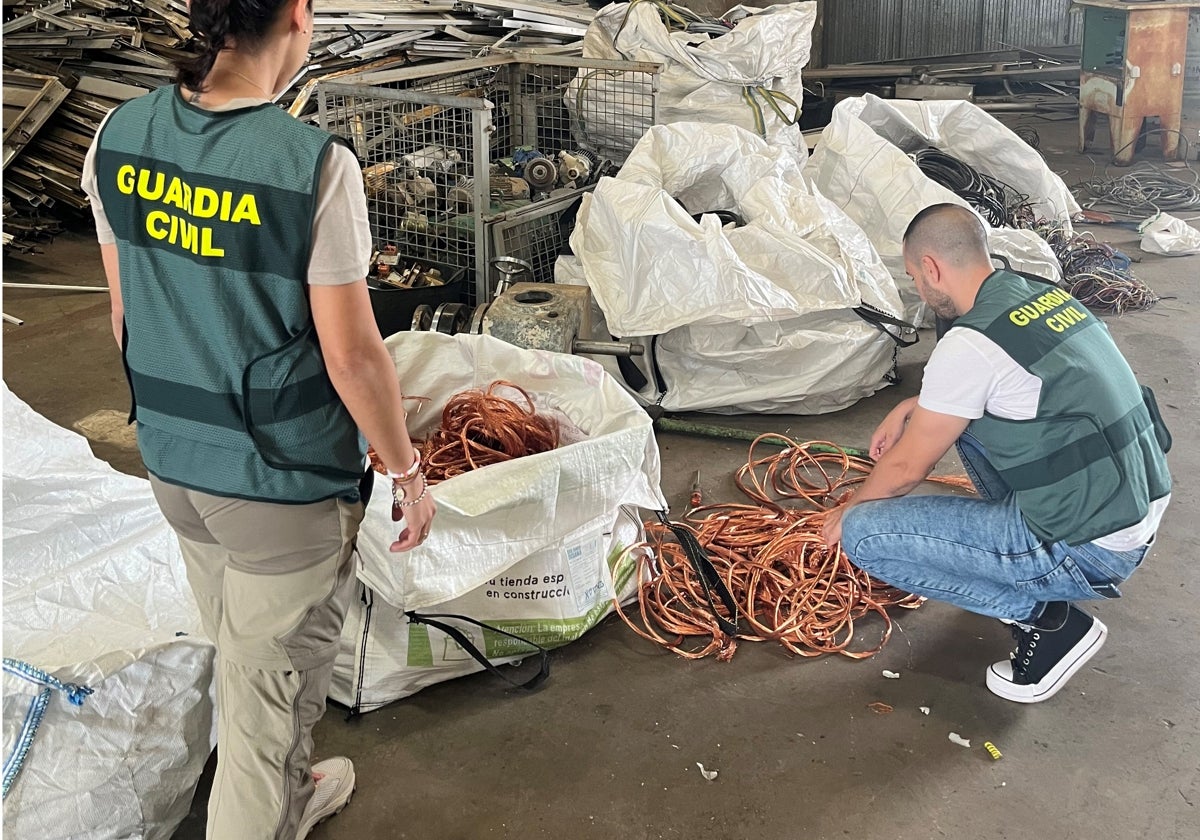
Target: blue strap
{"x":76,"y":694}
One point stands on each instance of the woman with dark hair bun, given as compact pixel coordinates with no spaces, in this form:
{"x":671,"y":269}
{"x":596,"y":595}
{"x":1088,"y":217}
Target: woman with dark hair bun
{"x":236,"y":243}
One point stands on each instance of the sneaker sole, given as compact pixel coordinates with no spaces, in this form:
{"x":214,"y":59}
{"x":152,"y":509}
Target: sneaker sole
{"x":306,"y":830}
{"x":1050,"y":685}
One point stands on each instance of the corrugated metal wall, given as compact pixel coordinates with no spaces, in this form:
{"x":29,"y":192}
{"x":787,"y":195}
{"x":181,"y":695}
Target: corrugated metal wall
{"x":881,"y":30}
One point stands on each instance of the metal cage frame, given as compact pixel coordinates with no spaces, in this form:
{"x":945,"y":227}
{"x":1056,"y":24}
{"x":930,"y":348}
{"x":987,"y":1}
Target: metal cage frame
{"x":453,"y":122}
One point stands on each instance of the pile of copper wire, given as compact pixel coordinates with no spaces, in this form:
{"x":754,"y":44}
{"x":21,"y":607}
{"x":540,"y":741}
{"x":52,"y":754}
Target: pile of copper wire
{"x":787,"y":586}
{"x":482,"y":427}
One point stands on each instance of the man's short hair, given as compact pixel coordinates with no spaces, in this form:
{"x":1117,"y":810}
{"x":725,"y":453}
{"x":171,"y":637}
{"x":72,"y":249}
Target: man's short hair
{"x":948,"y":231}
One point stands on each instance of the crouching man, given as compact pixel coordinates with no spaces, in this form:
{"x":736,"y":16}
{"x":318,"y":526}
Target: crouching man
{"x":1064,"y":447}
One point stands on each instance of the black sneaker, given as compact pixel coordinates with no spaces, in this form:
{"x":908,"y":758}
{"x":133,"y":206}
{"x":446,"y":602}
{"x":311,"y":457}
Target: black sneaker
{"x":1045,"y":659}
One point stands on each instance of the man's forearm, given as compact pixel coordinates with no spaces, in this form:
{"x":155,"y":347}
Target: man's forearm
{"x":892,"y":477}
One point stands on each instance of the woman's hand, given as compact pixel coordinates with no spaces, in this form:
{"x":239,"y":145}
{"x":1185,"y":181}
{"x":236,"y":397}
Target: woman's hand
{"x":418,"y":518}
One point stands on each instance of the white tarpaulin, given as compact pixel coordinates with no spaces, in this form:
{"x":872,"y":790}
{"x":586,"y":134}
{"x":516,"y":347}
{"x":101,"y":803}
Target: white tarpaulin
{"x":754,"y":316}
{"x":862,"y":163}
{"x":95,"y":593}
{"x":537,"y":531}
{"x":749,"y":77}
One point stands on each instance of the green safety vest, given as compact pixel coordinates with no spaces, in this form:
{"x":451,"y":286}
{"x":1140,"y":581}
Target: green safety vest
{"x":213,"y":216}
{"x":1092,"y":460}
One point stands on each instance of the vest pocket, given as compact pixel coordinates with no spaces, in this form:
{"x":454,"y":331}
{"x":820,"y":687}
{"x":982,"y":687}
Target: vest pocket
{"x":295,"y":417}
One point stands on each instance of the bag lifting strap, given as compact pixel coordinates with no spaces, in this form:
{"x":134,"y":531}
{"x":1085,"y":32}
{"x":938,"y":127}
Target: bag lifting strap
{"x":709,"y":578}
{"x":466,"y":644}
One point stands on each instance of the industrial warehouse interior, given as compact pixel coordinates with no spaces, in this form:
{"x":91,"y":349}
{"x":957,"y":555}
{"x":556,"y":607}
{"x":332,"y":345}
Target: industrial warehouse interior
{"x":656,"y":280}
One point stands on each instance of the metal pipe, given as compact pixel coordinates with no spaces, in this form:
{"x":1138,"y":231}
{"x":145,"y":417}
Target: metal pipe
{"x":12,"y":319}
{"x":690,"y":427}
{"x":608,"y":348}
{"x":1023,"y":107}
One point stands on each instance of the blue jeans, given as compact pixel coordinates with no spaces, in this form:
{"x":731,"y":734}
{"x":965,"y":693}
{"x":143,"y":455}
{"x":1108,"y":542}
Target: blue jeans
{"x":978,"y":554}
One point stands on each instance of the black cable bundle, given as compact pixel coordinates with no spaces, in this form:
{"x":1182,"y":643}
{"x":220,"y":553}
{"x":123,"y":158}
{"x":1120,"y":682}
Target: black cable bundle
{"x":995,"y":200}
{"x":1096,"y":274}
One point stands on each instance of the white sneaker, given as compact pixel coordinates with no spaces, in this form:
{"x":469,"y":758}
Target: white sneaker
{"x":335,"y":786}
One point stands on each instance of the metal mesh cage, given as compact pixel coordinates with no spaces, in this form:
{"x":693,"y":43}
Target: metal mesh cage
{"x":469,"y":160}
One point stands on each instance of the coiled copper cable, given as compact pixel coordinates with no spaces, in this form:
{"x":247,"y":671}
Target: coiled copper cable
{"x":787,"y":585}
{"x":480,"y":427}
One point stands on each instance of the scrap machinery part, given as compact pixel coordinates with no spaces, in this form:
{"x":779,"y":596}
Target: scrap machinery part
{"x":536,"y":316}
{"x":508,"y":188}
{"x":422,"y":319}
{"x":511,"y":270}
{"x":476,"y":327}
{"x":575,"y":167}
{"x":461,"y":197}
{"x":421,"y":189}
{"x":545,"y":316}
{"x":541,"y":173}
{"x":450,"y":318}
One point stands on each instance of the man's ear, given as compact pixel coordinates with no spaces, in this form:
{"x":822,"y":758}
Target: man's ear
{"x":933,"y":271}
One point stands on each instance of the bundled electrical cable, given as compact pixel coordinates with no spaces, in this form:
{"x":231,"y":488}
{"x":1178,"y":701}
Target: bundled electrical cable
{"x":482,"y":427}
{"x":1096,"y":274}
{"x":996,"y":201}
{"x":1029,"y":135}
{"x":786,"y":585}
{"x":1144,"y":190}
{"x":680,"y":17}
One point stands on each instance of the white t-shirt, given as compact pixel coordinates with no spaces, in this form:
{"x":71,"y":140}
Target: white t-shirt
{"x":969,"y":374}
{"x":341,"y":251}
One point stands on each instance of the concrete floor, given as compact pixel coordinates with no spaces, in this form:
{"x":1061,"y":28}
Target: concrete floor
{"x":609,"y":747}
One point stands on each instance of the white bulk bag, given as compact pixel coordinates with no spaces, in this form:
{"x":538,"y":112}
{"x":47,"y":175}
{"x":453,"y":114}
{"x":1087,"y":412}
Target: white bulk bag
{"x":95,"y":593}
{"x":550,"y":598}
{"x":814,"y":364}
{"x":861,"y":163}
{"x":551,"y":514}
{"x":731,"y":79}
{"x":748,"y":301}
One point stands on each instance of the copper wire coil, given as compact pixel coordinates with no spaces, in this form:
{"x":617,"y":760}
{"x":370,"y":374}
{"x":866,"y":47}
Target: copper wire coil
{"x":788,"y":586}
{"x":480,"y":428}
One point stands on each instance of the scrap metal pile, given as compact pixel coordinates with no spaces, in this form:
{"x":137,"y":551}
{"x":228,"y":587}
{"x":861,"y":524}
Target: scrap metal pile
{"x":67,"y":63}
{"x":1097,"y":274}
{"x":785,"y":584}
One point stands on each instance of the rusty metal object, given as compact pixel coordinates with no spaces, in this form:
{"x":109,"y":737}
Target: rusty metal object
{"x":545,"y":316}
{"x":1132,"y":69}
{"x":539,"y":316}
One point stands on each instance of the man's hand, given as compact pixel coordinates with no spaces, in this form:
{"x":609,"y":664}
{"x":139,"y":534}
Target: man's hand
{"x":831,"y":531}
{"x":891,"y":429}
{"x":904,"y":464}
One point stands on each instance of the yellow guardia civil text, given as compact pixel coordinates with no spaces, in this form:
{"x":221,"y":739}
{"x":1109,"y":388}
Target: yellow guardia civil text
{"x":1032,"y":312}
{"x":198,"y":202}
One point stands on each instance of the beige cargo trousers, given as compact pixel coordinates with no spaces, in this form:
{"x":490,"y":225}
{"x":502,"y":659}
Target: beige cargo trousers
{"x":274,"y":583}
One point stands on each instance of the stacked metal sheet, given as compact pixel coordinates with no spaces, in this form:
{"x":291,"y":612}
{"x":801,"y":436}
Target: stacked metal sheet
{"x":67,"y":63}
